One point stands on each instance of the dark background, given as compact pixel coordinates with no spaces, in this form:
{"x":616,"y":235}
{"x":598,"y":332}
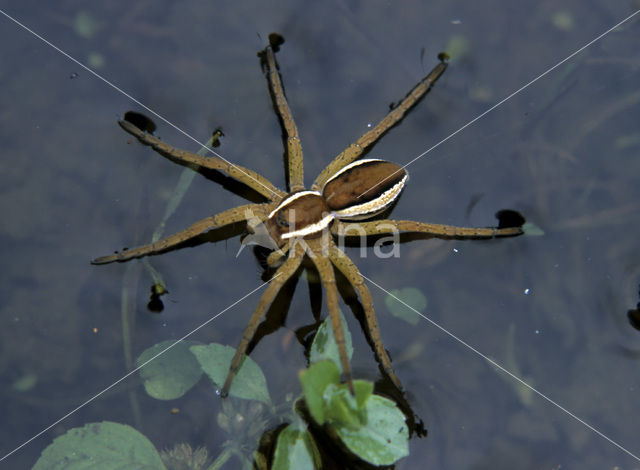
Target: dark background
{"x":564,"y":152}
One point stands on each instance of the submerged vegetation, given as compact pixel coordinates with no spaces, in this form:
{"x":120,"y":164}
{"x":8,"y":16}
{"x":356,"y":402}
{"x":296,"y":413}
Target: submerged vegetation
{"x":364,"y":427}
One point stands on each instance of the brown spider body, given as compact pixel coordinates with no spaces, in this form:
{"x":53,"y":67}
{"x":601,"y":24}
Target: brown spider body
{"x":359,"y":191}
{"x":303,"y":214}
{"x":348,"y":189}
{"x":364,"y":188}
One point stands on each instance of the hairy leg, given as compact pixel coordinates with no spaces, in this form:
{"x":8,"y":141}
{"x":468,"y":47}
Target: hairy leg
{"x":387,"y":226}
{"x":183,"y":157}
{"x":327,"y":276}
{"x":350,"y":271}
{"x":294,"y":148}
{"x":281,"y":276}
{"x":237,"y":214}
{"x":394,"y":116}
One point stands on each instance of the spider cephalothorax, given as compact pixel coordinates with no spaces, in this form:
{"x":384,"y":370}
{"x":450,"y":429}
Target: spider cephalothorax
{"x":303,"y":223}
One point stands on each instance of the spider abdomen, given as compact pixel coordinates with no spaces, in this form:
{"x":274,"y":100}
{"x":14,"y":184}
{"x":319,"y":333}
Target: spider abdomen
{"x":364,"y":188}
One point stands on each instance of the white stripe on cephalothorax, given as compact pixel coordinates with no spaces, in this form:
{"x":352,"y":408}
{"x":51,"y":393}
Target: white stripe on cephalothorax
{"x":292,"y":198}
{"x":311,"y":228}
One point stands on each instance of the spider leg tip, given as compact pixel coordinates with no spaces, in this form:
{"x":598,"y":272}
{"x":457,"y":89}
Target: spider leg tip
{"x":101,"y":260}
{"x":444,"y":57}
{"x":275,"y":41}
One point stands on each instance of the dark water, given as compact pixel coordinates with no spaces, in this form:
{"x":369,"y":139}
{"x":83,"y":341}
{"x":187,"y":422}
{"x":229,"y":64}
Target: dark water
{"x":564,"y":152}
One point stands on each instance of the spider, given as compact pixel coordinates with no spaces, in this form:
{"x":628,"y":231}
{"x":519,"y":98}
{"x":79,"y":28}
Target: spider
{"x":302,"y":223}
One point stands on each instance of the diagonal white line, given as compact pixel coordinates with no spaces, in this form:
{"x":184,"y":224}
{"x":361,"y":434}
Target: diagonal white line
{"x":381,"y":288}
{"x":495,"y":364}
{"x":569,"y":57}
{"x":136,"y":369}
{"x":115,"y":87}
{"x":499,"y":103}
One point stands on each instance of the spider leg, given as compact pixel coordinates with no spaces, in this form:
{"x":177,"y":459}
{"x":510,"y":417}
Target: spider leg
{"x":325,"y":269}
{"x":281,"y":276}
{"x":355,"y":150}
{"x":237,"y":214}
{"x":275,"y":257}
{"x":183,"y":157}
{"x":350,"y":271}
{"x":294,"y":148}
{"x":379,"y":227}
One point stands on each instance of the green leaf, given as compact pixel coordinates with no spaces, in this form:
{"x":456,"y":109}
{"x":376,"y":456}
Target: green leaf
{"x":25,"y":383}
{"x":104,"y":446}
{"x":314,"y":381}
{"x":363,"y":389}
{"x":324,"y":344}
{"x":626,"y":141}
{"x":457,"y":47}
{"x":341,"y":408}
{"x":410,"y":296}
{"x":532,"y":230}
{"x":563,"y":20}
{"x":85,"y":25}
{"x":249,"y":383}
{"x":383,"y":438}
{"x":295,"y":450}
{"x":171,"y":374}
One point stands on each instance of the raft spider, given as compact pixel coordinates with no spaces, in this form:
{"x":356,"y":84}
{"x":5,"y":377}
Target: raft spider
{"x":348,"y":189}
